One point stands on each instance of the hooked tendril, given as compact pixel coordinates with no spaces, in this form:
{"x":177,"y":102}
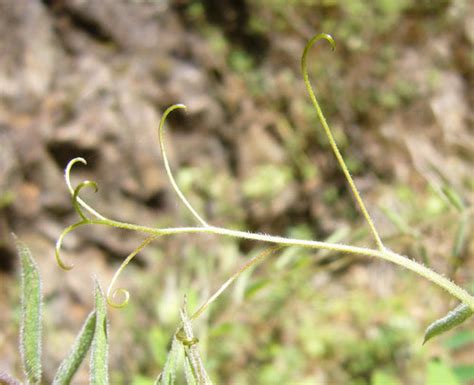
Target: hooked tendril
{"x":75,"y":197}
{"x":181,"y":196}
{"x":59,"y":242}
{"x":113,"y":294}
{"x":67,"y":176}
{"x":327,"y":130}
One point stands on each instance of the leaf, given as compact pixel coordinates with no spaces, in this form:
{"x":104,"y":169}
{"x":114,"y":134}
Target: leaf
{"x":440,"y":374}
{"x":449,"y":321}
{"x":71,"y":363}
{"x":100,"y":346}
{"x":191,"y":376}
{"x":168,"y":376}
{"x":461,"y":236}
{"x":460,"y":339}
{"x":464,"y":373}
{"x":256,"y":286}
{"x":6,"y":379}
{"x":30,"y":328}
{"x":194,"y":368}
{"x":454,"y":198}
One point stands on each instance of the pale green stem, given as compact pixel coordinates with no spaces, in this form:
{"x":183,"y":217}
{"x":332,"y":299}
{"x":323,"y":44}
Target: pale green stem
{"x":385,"y":254}
{"x":332,"y":142}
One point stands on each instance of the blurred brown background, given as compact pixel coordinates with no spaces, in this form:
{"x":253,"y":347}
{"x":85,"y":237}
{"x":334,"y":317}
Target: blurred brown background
{"x":91,"y":79}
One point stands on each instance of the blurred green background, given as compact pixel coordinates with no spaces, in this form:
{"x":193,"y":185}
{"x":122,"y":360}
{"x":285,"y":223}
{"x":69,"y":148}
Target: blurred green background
{"x":91,"y":79}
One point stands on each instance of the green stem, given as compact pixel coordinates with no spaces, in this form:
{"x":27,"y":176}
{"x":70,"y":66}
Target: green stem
{"x":384,"y":254}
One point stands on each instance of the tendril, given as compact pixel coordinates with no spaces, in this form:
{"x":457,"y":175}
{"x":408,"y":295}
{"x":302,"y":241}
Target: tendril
{"x":79,"y":201}
{"x":258,"y":258}
{"x":322,"y":119}
{"x":167,"y":165}
{"x":59,"y":242}
{"x":75,"y":197}
{"x":188,"y":342}
{"x":111,"y":295}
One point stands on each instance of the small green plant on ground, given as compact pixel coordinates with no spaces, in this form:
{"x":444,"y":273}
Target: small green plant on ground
{"x":184,"y":339}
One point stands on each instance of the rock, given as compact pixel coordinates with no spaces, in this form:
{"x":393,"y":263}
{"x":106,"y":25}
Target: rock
{"x":28,"y":53}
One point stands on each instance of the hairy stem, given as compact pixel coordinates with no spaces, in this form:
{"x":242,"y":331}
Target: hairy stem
{"x":385,"y":254}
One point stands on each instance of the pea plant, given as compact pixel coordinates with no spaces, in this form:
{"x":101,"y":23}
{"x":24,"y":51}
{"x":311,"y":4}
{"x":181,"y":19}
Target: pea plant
{"x":94,"y":334}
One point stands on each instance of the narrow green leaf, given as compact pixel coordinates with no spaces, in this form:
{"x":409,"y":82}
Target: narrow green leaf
{"x":397,"y":220}
{"x":454,"y":198}
{"x":461,"y":236}
{"x":255,"y":287}
{"x":464,"y":373}
{"x":449,"y":321}
{"x":460,"y":339}
{"x":30,"y":328}
{"x":168,"y":376}
{"x":194,"y":368}
{"x":189,"y":371}
{"x":6,"y":379}
{"x":100,"y":345}
{"x":71,"y":363}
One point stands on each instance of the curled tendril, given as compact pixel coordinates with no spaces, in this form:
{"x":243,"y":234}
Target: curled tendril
{"x":79,"y":205}
{"x":72,"y":190}
{"x":75,"y":197}
{"x":112,"y":294}
{"x":59,"y":242}
{"x":182,"y":337}
{"x":327,"y":130}
{"x":258,"y":258}
{"x":181,"y":196}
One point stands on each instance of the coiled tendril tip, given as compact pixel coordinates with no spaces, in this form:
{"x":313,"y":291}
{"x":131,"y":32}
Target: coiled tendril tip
{"x":119,"y":291}
{"x":111,"y":295}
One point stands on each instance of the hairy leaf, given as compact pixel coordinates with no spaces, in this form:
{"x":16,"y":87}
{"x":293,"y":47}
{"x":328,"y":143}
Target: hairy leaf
{"x":449,"y":321}
{"x":194,"y":368}
{"x":71,"y":363}
{"x":30,"y":328}
{"x":100,"y":345}
{"x":168,"y":376}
